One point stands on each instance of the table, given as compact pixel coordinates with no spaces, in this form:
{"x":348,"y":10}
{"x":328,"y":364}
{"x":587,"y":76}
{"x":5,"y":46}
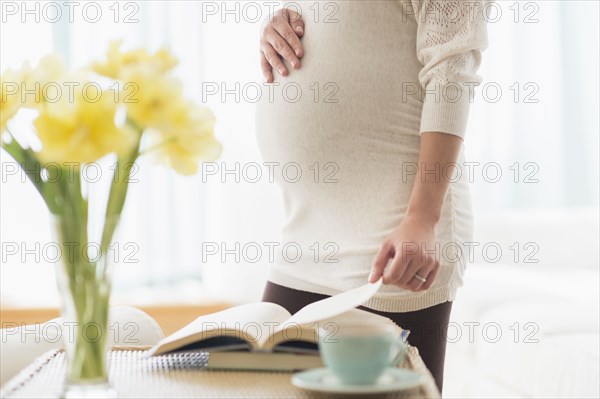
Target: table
{"x":183,"y":375}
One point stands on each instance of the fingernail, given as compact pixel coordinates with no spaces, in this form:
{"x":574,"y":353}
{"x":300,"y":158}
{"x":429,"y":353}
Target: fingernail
{"x":299,"y":29}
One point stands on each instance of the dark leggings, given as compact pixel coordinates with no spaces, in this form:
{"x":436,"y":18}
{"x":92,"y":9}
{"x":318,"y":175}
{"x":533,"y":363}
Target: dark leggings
{"x":428,"y":327}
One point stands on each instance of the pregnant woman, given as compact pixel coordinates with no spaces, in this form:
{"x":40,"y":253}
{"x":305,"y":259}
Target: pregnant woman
{"x":367,"y":108}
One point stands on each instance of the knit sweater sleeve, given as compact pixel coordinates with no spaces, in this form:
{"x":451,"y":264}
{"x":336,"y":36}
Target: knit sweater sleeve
{"x":451,"y":35}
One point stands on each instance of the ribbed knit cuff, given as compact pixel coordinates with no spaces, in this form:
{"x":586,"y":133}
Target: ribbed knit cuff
{"x":446,"y":108}
{"x":425,"y":300}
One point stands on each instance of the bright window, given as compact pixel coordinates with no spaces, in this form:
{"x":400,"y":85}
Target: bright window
{"x":537,"y":121}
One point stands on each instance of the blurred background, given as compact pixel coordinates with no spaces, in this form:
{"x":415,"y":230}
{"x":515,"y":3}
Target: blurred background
{"x":530,"y":301}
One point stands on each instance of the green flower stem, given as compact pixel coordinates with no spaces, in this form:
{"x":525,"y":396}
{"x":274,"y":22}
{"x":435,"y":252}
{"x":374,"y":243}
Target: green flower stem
{"x":31,"y":166}
{"x":88,"y":286}
{"x":118,"y":193}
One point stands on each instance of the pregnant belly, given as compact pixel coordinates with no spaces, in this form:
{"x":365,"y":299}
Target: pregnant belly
{"x":347,"y":120}
{"x":351,"y":90}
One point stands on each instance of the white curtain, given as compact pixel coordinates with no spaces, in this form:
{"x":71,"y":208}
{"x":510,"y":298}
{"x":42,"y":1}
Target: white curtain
{"x":545,"y":142}
{"x":544,"y":58}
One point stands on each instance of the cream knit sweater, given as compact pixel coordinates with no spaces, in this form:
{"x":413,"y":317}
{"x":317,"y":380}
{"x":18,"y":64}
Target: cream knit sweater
{"x":375,"y":75}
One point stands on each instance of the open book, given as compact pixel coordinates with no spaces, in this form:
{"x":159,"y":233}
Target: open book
{"x":264,"y":329}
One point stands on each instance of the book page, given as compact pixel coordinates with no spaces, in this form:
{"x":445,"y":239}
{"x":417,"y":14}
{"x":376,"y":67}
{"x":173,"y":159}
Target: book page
{"x":335,"y":305}
{"x":250,"y":322}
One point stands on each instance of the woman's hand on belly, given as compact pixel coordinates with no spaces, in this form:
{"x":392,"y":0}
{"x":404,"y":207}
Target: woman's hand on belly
{"x":412,"y":249}
{"x":280,"y":39}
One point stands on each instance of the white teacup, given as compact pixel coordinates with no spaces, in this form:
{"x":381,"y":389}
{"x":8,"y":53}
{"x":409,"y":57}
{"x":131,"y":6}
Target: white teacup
{"x":359,"y":353}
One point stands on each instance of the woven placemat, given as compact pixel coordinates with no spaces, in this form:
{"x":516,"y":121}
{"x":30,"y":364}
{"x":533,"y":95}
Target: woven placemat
{"x":182,"y":375}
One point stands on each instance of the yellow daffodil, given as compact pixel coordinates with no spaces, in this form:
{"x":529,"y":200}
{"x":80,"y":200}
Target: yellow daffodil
{"x":29,"y":87}
{"x":10,"y":95}
{"x":81,"y":131}
{"x":51,"y":68}
{"x":51,"y":80}
{"x":118,"y":63}
{"x":189,"y":140}
{"x":153,"y":101}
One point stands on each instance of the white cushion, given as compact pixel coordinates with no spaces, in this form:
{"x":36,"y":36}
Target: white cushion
{"x":488,"y":287}
{"x":555,"y":356}
{"x":564,"y":280}
{"x":20,"y":346}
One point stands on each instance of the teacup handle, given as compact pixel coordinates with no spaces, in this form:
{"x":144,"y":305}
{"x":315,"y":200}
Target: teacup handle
{"x":400,"y":344}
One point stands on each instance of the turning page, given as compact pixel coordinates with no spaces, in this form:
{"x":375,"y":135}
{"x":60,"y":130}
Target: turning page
{"x":335,"y":305}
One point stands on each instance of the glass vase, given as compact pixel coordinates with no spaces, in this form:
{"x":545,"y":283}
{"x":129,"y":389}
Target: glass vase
{"x":84,"y":281}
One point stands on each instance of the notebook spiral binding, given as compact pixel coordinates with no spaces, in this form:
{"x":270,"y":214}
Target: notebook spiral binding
{"x":188,"y":360}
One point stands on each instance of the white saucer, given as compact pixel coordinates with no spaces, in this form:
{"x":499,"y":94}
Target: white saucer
{"x":323,"y":380}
